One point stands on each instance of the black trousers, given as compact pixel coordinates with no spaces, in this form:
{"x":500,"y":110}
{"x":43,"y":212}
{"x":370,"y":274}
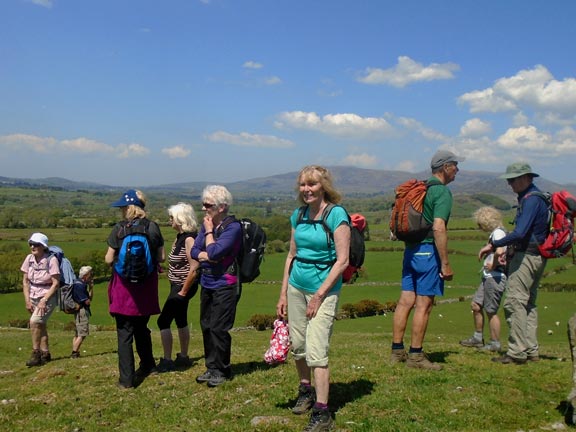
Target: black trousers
{"x":217,"y":315}
{"x":131,"y":329}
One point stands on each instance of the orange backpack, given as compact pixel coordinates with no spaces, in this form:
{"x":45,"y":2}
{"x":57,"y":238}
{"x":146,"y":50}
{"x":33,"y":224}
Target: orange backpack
{"x":406,"y":221}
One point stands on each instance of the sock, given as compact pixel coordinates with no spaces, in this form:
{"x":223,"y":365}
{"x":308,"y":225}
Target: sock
{"x":397,"y":345}
{"x":415,"y":350}
{"x":320,"y":406}
{"x":306,"y":384}
{"x":478,"y":335}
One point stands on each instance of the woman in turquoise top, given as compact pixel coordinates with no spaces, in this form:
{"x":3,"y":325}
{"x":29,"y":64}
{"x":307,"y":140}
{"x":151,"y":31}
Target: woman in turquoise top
{"x":311,"y":287}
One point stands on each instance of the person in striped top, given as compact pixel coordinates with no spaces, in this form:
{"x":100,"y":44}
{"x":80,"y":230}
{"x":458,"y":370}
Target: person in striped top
{"x":183,"y":286}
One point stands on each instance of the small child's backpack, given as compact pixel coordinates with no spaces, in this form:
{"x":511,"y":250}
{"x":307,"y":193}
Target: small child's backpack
{"x":134,"y":262}
{"x":562,"y":210}
{"x":406,"y":221}
{"x":252,"y":250}
{"x":357,"y":251}
{"x":67,"y":278}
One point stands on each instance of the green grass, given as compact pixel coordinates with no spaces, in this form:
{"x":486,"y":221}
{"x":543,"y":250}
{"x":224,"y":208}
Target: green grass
{"x":367,"y":393}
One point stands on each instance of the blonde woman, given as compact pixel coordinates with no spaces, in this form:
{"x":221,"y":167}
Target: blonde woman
{"x":489,"y":294}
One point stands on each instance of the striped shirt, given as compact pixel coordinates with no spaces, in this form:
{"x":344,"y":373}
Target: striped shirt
{"x":178,"y":265}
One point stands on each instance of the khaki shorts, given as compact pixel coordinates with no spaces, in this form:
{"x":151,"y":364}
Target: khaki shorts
{"x":311,"y":338}
{"x":51,"y":304}
{"x":81,"y":319}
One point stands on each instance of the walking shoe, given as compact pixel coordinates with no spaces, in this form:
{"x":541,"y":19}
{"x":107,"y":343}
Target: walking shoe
{"x":144,"y":371}
{"x":205,"y":377}
{"x":320,"y":421}
{"x":398,"y":356}
{"x":45,"y":357}
{"x":216,"y":380}
{"x":492,"y":347}
{"x":306,"y":399}
{"x":35,"y":359}
{"x":533,"y":358}
{"x":182,"y":361}
{"x":75,"y":354}
{"x":472,"y":342}
{"x":165,"y":365}
{"x":420,"y":361}
{"x":506,"y":359}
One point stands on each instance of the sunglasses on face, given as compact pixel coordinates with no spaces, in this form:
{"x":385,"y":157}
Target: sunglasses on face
{"x":35,"y":244}
{"x":207,"y":205}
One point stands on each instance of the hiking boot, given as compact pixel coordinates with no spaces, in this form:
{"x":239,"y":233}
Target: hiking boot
{"x":506,"y":359}
{"x":306,"y":399}
{"x":45,"y":357}
{"x":144,"y":371}
{"x":165,"y":365}
{"x":491,"y":347}
{"x":216,"y":380}
{"x":205,"y":377}
{"x":182,"y":361}
{"x":472,"y":342}
{"x":35,"y":359}
{"x":75,"y":354}
{"x":420,"y":361}
{"x":320,"y":421}
{"x":398,"y":356}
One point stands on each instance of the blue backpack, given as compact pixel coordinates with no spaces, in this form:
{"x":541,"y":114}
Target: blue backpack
{"x":134,"y":262}
{"x":67,"y":278}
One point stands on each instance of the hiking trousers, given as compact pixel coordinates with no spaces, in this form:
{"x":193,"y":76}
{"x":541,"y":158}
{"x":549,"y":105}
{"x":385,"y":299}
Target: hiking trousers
{"x":524,"y":276}
{"x":133,"y":329}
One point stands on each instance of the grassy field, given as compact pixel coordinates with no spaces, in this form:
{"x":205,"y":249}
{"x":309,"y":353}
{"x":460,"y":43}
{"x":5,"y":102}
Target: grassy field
{"x":367,"y":393}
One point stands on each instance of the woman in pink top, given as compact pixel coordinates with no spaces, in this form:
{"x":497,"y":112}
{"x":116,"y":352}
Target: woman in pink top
{"x":40,"y":285}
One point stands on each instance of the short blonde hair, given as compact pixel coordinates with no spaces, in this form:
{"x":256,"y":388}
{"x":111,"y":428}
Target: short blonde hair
{"x":319,"y":174}
{"x":84,"y":270}
{"x":184,"y":216}
{"x":488,"y":218}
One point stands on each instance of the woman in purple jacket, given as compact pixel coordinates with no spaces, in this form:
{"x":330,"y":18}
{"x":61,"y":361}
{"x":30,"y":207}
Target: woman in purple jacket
{"x":216,"y":249}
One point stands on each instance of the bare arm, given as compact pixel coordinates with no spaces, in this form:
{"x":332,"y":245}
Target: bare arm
{"x":441,"y":242}
{"x":282,"y":305}
{"x":109,"y":257}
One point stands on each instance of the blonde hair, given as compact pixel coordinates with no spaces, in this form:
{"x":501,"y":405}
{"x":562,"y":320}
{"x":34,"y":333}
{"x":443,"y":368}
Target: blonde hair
{"x":318,"y":174}
{"x":488,"y":218}
{"x":184,"y":216}
{"x":132,"y":212}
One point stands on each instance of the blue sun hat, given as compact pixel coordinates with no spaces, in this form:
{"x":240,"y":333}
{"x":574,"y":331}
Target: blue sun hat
{"x":128,"y":198}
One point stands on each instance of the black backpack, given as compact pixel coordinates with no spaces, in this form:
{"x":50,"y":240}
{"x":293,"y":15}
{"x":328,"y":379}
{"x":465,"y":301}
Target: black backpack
{"x":252,"y":250}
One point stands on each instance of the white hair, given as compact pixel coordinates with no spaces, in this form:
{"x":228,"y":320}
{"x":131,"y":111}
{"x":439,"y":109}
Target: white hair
{"x":84,"y":271}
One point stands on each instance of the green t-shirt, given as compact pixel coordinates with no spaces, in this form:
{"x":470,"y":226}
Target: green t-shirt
{"x":437,"y":204}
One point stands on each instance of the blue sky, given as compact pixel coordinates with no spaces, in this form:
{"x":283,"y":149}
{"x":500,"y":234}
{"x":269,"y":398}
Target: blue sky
{"x":137,"y":93}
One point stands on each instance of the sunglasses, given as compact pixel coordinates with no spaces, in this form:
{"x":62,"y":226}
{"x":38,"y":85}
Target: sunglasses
{"x":31,"y":244}
{"x":207,"y":205}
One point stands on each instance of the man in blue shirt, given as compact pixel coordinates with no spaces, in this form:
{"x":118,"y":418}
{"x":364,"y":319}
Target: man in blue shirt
{"x":526,"y":266}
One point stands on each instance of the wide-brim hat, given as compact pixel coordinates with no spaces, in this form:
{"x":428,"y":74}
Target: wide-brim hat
{"x":128,"y":198}
{"x":518,"y":169}
{"x":39,"y":238}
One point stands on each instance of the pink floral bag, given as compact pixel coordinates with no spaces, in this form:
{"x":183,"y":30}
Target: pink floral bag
{"x":279,"y":343}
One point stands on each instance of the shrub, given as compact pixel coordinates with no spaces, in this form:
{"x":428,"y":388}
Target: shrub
{"x":349,"y":310}
{"x":366,"y":308}
{"x":18,"y":323}
{"x":261,"y":321}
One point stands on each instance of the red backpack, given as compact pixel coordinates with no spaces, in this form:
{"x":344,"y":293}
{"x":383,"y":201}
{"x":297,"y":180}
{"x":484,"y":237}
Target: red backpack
{"x":407,"y":222}
{"x":562,"y":209}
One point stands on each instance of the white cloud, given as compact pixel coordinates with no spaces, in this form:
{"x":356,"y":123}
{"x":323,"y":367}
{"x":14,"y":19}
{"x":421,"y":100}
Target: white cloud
{"x":408,"y":71}
{"x":273,"y":80}
{"x":406,"y":165}
{"x":43,"y":3}
{"x":176,"y":152}
{"x":131,"y":150}
{"x":534,"y":90}
{"x":475,"y":128}
{"x":525,"y":138}
{"x":363,"y":160}
{"x":344,"y":125}
{"x":245,"y":139}
{"x":413,"y":125}
{"x":252,"y":65}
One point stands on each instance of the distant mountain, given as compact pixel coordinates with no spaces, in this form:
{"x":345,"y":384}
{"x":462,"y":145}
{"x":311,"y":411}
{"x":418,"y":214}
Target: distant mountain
{"x":350,"y":181}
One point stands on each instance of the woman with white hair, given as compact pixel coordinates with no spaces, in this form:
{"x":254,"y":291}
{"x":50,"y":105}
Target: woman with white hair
{"x":41,"y":279}
{"x":183,"y":286}
{"x":216,"y":249}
